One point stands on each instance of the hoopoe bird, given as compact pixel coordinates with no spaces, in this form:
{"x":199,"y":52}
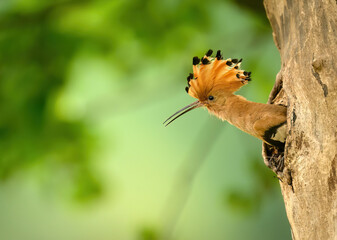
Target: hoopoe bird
{"x":213,"y":83}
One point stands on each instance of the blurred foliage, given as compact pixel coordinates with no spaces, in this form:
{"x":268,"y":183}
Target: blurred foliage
{"x":35,"y":57}
{"x":254,"y":6}
{"x":38,"y":44}
{"x":68,"y":64}
{"x":264,"y":181}
{"x":148,"y":233}
{"x":242,"y":202}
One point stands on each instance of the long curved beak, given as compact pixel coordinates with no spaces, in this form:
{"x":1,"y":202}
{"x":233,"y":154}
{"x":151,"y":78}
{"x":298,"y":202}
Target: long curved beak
{"x":182,"y":112}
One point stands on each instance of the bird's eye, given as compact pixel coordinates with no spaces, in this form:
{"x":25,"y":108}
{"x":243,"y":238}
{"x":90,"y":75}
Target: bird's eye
{"x":210,"y":98}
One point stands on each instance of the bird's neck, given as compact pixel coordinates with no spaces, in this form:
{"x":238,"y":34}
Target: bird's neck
{"x":239,"y":112}
{"x":264,"y":121}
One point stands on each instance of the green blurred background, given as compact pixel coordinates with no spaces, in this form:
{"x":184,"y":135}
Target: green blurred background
{"x":85,"y":86}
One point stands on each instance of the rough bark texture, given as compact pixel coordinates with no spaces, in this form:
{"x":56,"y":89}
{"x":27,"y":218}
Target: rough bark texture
{"x":305,"y":33}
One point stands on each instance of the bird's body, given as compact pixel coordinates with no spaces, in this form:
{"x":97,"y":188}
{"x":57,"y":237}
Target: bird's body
{"x":254,"y":118}
{"x":214,"y":81}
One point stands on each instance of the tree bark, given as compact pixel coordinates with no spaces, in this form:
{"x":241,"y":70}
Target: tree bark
{"x":305,"y":32}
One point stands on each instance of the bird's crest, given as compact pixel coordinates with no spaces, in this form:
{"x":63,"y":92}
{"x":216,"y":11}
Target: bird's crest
{"x":212,"y":77}
{"x":214,"y":74}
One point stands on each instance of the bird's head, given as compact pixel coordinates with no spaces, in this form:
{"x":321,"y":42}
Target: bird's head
{"x":213,"y":80}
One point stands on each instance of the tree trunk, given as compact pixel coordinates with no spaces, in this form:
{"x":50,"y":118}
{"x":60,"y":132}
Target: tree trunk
{"x":305,"y":33}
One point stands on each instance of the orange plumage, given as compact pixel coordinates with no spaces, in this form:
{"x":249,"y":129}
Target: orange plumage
{"x":216,"y":75}
{"x":214,"y":81}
